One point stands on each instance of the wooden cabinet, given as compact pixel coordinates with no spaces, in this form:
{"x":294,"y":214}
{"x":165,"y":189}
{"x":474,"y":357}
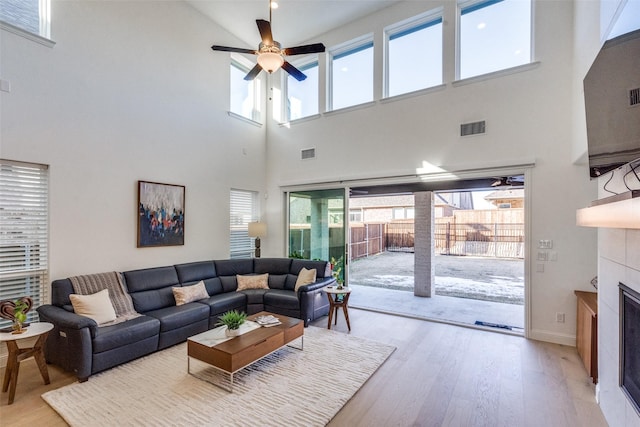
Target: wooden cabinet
{"x":587,"y":331}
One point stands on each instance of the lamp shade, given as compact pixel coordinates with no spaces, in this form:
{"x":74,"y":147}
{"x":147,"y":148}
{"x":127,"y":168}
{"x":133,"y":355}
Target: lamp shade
{"x":257,"y":229}
{"x":270,"y":61}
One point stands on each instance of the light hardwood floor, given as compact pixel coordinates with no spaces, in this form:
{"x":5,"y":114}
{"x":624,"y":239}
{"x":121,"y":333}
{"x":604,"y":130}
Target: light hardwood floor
{"x":439,"y":375}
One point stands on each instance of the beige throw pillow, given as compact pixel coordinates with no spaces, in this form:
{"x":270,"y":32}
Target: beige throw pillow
{"x":305,"y":277}
{"x":191,"y":293}
{"x":254,"y":281}
{"x":96,"y":306}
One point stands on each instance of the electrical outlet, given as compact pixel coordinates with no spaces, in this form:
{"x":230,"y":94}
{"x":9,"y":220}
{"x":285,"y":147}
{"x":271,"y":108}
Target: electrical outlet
{"x":560,"y":317}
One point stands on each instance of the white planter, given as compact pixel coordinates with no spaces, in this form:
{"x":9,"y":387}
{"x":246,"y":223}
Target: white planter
{"x":232,"y":332}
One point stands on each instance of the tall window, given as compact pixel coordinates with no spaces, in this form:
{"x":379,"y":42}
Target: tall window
{"x":24,"y":232}
{"x":243,"y":210}
{"x":352,"y":75}
{"x":494,"y":35}
{"x":244,"y":95}
{"x":32,"y":16}
{"x":302,"y":97}
{"x":414,"y":55}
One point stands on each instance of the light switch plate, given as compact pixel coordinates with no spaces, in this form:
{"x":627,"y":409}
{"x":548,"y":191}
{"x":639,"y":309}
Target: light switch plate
{"x":545,"y":244}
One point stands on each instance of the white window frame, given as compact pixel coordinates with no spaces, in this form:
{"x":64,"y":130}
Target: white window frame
{"x":243,"y":208}
{"x":345,"y":49}
{"x":302,"y":65}
{"x":413,"y":24}
{"x":44,"y":25}
{"x":462,"y":5}
{"x":256,"y":109}
{"x":24,"y":234}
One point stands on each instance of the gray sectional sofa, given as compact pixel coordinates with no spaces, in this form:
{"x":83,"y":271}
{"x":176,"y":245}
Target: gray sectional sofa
{"x":78,"y":345}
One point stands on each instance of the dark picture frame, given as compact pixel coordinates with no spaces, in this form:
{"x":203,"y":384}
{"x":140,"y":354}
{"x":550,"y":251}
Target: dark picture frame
{"x":160,"y":214}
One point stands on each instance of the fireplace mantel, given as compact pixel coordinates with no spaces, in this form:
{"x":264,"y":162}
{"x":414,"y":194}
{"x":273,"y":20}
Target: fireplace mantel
{"x":619,"y":211}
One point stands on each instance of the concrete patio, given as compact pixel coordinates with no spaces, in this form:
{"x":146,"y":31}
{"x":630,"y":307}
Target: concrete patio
{"x":467,"y":290}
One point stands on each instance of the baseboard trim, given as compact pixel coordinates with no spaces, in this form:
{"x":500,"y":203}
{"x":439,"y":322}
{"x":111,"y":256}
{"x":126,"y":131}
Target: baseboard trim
{"x":552,"y":337}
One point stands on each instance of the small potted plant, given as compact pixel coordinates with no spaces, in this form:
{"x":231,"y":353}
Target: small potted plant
{"x":232,"y":320}
{"x":19,"y":316}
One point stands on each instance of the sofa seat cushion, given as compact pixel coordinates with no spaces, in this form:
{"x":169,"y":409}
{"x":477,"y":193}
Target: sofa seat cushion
{"x":255,"y":296}
{"x":175,"y":317}
{"x":284,"y":299}
{"x":125,"y":333}
{"x":221,"y":303}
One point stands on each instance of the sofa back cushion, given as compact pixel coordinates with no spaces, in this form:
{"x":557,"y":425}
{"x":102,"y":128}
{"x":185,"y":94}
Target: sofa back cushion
{"x":323,"y":268}
{"x":231,"y":267}
{"x":60,"y":291}
{"x":271,"y":265}
{"x":193,"y":272}
{"x":227,"y":270}
{"x":150,"y":288}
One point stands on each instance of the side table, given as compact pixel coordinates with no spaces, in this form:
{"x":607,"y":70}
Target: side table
{"x":338,"y":298}
{"x":17,"y":355}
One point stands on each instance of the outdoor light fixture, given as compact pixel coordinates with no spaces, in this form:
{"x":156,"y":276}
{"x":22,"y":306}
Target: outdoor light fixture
{"x":257,"y":230}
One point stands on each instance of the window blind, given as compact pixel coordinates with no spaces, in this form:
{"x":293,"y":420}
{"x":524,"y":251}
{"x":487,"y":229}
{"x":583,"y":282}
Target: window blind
{"x":24,"y":233}
{"x":242,"y":211}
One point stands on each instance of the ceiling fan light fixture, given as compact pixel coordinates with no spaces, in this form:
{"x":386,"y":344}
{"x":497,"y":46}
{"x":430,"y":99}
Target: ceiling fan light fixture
{"x":270,"y":56}
{"x":270,"y":61}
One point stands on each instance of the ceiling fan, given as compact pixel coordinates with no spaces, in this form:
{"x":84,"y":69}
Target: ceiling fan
{"x":270,"y":53}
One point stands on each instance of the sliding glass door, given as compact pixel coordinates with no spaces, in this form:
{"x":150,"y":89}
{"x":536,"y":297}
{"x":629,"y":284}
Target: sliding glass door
{"x":317,"y":226}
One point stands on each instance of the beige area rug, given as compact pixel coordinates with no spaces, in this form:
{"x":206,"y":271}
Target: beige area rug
{"x":287,"y":388}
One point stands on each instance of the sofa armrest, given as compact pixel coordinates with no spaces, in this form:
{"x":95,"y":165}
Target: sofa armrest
{"x":70,"y":343}
{"x":327,"y":281}
{"x":65,"y":319}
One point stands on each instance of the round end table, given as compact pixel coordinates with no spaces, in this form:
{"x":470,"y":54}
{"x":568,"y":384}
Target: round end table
{"x":17,"y":354}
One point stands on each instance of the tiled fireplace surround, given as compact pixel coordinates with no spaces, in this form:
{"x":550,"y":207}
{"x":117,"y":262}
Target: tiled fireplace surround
{"x":618,"y":261}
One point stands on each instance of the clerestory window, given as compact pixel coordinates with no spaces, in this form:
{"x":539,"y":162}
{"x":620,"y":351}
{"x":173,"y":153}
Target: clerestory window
{"x":493,"y":35}
{"x":31,"y":16}
{"x":414,"y":54}
{"x":351,"y":74}
{"x":302,"y":96}
{"x":244,"y":95}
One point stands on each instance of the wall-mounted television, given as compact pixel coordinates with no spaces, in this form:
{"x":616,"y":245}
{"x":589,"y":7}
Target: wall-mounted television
{"x":612,"y":104}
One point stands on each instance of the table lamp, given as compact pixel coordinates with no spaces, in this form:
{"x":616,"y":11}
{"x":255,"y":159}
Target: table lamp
{"x":257,"y":230}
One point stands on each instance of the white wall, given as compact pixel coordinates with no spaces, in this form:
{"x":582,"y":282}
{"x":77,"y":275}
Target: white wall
{"x":529,"y":117}
{"x":131,"y":91}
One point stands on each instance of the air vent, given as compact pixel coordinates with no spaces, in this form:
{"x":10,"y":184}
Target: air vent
{"x":308,"y":153}
{"x":634,"y":97}
{"x":474,"y":128}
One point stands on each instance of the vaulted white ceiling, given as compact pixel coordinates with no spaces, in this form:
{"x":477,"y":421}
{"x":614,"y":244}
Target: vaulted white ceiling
{"x":294,"y":22}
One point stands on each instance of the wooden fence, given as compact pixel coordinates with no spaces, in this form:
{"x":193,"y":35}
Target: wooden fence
{"x":476,"y":239}
{"x":366,"y":239}
{"x":490,"y":239}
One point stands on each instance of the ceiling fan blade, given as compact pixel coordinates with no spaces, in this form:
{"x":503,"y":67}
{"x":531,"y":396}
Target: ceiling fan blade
{"x":295,"y":73}
{"x":265,"y":31}
{"x":309,"y":48}
{"x":253,"y":73}
{"x":233,"y":49}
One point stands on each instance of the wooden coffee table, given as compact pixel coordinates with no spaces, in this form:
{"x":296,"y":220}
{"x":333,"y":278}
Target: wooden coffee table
{"x":230,"y":355}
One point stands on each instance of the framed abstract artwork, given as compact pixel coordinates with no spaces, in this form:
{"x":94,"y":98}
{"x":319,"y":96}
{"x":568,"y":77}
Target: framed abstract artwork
{"x":160,"y":214}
